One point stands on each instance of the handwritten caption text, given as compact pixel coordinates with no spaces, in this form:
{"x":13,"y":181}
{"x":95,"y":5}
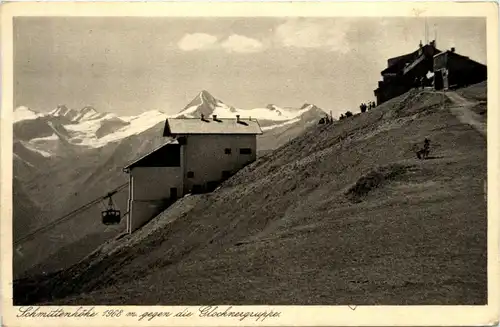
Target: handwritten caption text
{"x":92,"y":312}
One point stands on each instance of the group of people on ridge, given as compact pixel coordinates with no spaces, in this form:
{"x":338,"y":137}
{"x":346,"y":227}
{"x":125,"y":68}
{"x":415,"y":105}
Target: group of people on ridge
{"x":363,"y":107}
{"x":326,"y":120}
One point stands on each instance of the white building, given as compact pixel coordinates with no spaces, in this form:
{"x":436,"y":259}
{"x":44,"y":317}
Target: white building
{"x":202,"y":153}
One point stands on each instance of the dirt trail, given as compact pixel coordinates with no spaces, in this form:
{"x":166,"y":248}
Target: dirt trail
{"x":462,"y":111}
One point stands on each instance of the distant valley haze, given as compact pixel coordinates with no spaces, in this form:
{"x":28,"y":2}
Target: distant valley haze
{"x":130,"y":65}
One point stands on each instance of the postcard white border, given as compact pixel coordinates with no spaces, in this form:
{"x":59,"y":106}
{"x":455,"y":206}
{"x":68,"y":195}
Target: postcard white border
{"x":290,"y":315}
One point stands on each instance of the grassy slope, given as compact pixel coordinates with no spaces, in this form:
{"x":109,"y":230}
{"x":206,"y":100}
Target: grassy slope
{"x":476,"y":93}
{"x":25,"y":209}
{"x":293,"y":228}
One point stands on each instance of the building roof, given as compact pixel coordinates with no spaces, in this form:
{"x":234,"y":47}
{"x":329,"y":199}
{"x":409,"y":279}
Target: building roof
{"x":398,"y":64}
{"x":453,"y":53}
{"x":393,"y":60}
{"x":177,"y":126}
{"x":394,"y":64}
{"x":159,"y":157}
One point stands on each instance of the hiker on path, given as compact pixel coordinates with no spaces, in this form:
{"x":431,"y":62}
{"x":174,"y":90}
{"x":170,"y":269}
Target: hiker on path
{"x":427,"y":144}
{"x":424,"y":152}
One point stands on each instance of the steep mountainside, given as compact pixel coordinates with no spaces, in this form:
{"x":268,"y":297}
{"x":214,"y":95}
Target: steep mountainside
{"x":343,"y":210}
{"x":79,"y":181}
{"x":25,"y":209}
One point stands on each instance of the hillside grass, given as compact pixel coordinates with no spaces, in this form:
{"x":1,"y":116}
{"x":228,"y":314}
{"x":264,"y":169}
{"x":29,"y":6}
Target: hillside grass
{"x":477,"y":93}
{"x":343,"y":214}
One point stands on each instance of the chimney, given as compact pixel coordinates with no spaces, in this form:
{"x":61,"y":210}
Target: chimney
{"x":202,"y":117}
{"x":238,"y":118}
{"x":214,"y":117}
{"x":453,"y":49}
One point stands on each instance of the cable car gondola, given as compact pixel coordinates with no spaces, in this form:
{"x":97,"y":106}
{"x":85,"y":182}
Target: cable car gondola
{"x":111,"y":216}
{"x":74,"y":213}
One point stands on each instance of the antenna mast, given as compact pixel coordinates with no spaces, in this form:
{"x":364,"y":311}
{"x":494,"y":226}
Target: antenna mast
{"x":435,"y":34}
{"x":426,"y":32}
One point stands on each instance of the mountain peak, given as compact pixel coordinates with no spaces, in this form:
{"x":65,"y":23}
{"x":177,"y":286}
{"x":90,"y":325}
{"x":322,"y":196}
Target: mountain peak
{"x":312,"y":108}
{"x":87,"y":112}
{"x":25,"y":109}
{"x":63,"y":111}
{"x":88,"y":109}
{"x":202,"y":104}
{"x":205,"y":93}
{"x":25,"y":113}
{"x":306,"y":105}
{"x":205,"y":96}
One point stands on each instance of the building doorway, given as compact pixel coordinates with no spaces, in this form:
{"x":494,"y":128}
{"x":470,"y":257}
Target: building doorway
{"x":438,"y":80}
{"x":173,"y":193}
{"x":211,"y":186}
{"x":226,"y":174}
{"x":197,"y":189}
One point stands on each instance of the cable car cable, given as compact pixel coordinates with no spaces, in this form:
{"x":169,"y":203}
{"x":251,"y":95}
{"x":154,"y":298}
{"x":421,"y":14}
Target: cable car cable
{"x":69,"y":215}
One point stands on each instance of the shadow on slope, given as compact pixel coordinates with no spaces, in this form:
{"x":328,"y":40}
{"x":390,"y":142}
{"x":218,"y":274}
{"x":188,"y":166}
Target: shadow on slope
{"x":25,"y":212}
{"x":374,"y":179}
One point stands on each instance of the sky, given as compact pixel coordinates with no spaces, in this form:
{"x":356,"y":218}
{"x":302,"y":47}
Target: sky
{"x":129,"y":65}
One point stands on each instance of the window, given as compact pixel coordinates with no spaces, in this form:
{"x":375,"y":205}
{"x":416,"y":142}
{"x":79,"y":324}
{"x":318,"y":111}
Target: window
{"x":227,"y":150}
{"x":190,"y":174}
{"x":226,"y":174}
{"x":246,"y":151}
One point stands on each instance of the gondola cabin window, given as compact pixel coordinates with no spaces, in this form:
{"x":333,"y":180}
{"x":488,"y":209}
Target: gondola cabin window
{"x":245,"y":151}
{"x":227,"y":150}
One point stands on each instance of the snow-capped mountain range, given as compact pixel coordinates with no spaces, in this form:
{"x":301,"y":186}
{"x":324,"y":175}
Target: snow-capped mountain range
{"x":88,"y":128}
{"x":204,"y":103}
